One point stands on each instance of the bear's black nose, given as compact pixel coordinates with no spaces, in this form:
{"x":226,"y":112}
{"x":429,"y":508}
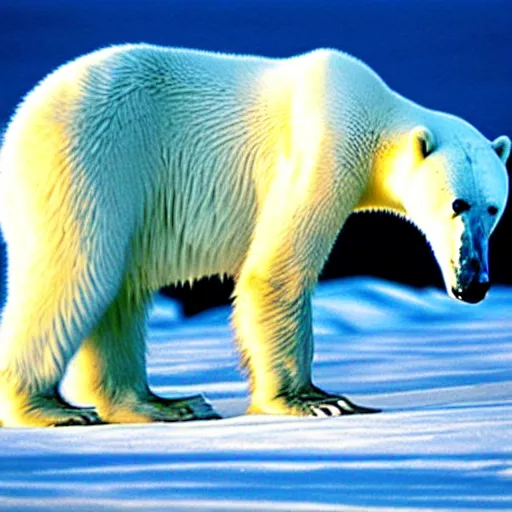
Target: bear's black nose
{"x":475,"y":291}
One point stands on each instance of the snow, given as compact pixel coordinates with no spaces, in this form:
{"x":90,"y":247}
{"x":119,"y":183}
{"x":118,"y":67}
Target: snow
{"x":440,"y":370}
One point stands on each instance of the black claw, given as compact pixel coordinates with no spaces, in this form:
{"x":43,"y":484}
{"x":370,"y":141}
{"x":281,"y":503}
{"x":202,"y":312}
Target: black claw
{"x":326,"y":410}
{"x":71,"y":422}
{"x":188,"y":414}
{"x":358,"y":409}
{"x":367,"y":410}
{"x":80,"y":420}
{"x":345,"y":412}
{"x":175,"y":420}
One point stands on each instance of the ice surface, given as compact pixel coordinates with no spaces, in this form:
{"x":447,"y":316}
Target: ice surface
{"x":441,"y":370}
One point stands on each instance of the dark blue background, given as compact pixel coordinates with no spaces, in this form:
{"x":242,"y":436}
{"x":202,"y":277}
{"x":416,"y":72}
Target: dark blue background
{"x":448,"y":55}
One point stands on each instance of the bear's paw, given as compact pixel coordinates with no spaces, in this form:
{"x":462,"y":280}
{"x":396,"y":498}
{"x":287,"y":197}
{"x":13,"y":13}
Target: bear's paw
{"x":46,"y":411}
{"x":310,"y":402}
{"x":152,"y":408}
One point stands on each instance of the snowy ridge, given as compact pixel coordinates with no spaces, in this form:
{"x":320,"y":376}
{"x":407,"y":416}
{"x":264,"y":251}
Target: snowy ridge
{"x":441,"y":370}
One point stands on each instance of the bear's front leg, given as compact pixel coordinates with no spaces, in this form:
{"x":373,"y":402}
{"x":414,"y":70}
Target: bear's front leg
{"x":273,"y":324}
{"x":272,"y":309}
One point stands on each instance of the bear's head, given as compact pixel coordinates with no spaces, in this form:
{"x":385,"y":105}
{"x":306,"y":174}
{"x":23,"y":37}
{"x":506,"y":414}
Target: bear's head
{"x":454,"y":188}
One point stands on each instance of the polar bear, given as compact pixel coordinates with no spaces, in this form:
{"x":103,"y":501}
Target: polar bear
{"x":138,"y":166}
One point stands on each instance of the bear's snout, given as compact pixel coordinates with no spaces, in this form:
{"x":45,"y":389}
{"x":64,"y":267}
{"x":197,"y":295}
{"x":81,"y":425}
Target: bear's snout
{"x":475,"y":291}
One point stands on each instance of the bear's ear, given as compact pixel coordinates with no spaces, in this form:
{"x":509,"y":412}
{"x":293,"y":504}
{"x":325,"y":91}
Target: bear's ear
{"x":502,"y":147}
{"x":422,"y":140}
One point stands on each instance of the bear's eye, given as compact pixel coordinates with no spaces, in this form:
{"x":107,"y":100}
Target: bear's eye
{"x":493,"y":210}
{"x":459,"y":206}
{"x":426,"y":146}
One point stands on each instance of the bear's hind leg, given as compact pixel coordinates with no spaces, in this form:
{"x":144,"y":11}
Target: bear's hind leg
{"x":110,"y":370}
{"x":50,"y":309}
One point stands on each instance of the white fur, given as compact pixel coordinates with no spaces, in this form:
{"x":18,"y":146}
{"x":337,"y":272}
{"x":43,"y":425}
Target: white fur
{"x":139,"y":166}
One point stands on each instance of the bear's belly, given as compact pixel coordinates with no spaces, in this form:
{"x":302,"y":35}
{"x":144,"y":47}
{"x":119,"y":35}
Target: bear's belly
{"x":195,"y":229}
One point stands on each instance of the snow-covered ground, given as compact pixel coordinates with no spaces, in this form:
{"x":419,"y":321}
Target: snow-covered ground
{"x":442,"y":372}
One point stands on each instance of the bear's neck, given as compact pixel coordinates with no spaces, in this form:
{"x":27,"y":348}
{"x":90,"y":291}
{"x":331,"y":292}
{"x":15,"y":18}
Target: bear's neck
{"x":391,"y":164}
